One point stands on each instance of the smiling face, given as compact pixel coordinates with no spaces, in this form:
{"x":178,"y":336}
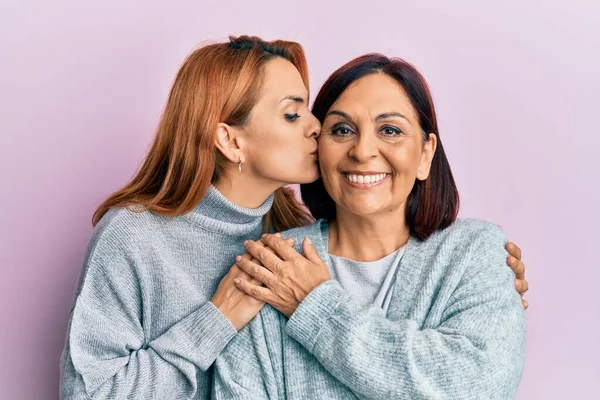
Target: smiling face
{"x":372,"y":148}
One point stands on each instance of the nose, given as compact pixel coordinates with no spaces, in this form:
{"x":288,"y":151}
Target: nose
{"x":314,"y":128}
{"x":364,"y":148}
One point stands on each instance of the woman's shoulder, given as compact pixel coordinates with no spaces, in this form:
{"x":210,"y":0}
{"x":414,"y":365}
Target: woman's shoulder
{"x":467,"y":258}
{"x":468,"y":245}
{"x":123,"y":230}
{"x":118,"y":242}
{"x":465,"y":240}
{"x":468,"y":230}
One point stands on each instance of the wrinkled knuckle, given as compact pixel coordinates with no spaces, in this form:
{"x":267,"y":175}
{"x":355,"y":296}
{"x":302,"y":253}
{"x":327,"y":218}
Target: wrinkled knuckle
{"x":262,"y":256}
{"x":518,"y":252}
{"x":519,"y":270}
{"x":273,"y":247}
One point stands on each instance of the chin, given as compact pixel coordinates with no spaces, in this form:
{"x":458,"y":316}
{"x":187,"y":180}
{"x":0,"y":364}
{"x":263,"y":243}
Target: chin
{"x":365,"y":209}
{"x":302,"y":177}
{"x":311,"y":177}
{"x":308,"y":180}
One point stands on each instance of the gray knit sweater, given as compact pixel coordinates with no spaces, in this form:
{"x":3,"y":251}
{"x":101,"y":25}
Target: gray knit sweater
{"x":142,"y":326}
{"x":455,"y":329}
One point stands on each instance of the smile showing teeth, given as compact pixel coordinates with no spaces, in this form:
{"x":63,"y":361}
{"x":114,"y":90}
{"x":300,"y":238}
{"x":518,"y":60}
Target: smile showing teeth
{"x":365,"y":179}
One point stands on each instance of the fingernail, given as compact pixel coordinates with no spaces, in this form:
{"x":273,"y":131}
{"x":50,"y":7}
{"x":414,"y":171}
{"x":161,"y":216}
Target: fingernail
{"x":308,"y":240}
{"x":238,"y":258}
{"x":278,"y":234}
{"x":245,"y":242}
{"x":263,"y":235}
{"x":236,"y":281}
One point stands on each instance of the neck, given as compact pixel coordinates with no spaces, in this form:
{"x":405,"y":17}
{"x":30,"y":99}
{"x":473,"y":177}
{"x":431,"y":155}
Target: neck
{"x":244,"y":190}
{"x":367,"y":238}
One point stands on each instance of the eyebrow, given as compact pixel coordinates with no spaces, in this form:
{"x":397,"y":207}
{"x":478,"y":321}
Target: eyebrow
{"x":378,"y":118}
{"x":390,"y":115}
{"x":292,"y":97}
{"x":340,"y":113}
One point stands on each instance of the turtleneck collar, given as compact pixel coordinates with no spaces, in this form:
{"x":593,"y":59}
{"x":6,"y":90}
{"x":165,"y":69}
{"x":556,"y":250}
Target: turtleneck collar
{"x":217,"y":214}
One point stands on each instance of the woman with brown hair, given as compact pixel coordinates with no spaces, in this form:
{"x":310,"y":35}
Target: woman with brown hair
{"x":393,"y":297}
{"x":150,"y":315}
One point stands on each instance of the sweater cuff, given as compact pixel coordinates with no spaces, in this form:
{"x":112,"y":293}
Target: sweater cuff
{"x":209,"y":331}
{"x":305,"y":323}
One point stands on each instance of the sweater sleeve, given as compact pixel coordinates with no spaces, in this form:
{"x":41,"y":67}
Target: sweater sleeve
{"x":477,"y":351}
{"x":250,"y":367}
{"x":238,"y":373}
{"x":108,"y":346}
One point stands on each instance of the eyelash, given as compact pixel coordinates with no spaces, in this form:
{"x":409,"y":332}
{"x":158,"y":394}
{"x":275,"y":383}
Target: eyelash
{"x":395,"y":131}
{"x":336,"y":131}
{"x":292,"y":117}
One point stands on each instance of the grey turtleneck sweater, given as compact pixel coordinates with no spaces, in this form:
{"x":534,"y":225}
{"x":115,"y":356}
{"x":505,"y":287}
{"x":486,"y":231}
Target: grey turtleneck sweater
{"x":142,"y":326}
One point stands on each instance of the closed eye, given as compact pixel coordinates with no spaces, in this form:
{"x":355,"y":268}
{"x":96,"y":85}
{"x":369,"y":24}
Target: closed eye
{"x":292,"y":117}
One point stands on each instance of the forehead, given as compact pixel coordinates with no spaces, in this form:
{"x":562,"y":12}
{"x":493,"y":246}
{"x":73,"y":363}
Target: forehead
{"x":374,"y":94}
{"x":282,"y":79}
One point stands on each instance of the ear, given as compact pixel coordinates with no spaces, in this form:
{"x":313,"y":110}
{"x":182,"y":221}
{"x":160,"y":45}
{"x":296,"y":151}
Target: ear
{"x":229,"y":143}
{"x":429,"y":147}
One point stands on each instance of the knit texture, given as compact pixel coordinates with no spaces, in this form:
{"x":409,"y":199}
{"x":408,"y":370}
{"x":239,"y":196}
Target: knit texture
{"x":142,"y":326}
{"x":455,"y":329}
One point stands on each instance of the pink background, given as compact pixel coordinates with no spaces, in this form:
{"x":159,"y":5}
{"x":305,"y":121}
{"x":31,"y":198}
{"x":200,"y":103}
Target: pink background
{"x":82,"y":85}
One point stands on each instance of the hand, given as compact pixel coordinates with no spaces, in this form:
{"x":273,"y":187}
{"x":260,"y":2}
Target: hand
{"x":515,"y":263}
{"x":287,"y":275}
{"x":237,"y":306}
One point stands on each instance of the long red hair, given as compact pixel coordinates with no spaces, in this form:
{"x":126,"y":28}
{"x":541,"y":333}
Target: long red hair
{"x":219,"y":82}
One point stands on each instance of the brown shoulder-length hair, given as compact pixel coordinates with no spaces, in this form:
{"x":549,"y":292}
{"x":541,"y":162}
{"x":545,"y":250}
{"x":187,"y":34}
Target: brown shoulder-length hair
{"x":432,"y":204}
{"x":219,"y":82}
